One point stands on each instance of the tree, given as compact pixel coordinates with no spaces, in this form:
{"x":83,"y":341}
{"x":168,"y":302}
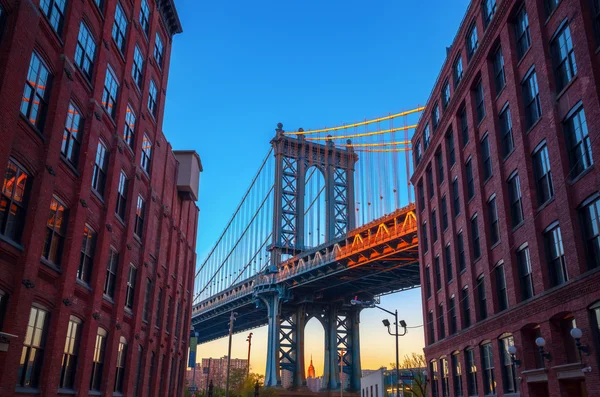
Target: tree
{"x":415,"y":365}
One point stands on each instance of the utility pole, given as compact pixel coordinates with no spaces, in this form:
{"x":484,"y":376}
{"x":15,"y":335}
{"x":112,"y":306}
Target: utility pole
{"x":231,"y":321}
{"x":249,"y":339}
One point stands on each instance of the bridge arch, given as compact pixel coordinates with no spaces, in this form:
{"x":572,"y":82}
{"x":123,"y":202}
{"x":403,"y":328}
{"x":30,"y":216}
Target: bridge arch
{"x":314,"y":353}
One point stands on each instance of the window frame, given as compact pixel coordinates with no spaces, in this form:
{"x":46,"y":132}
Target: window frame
{"x":486,"y":157}
{"x":482,"y":298}
{"x":99,"y":172}
{"x":501,"y":288}
{"x":457,"y":70}
{"x":153,"y":99}
{"x":542,"y":173}
{"x":466,"y":308}
{"x":531,"y":102}
{"x":120,"y":28}
{"x":475,"y":237}
{"x":479,"y":101}
{"x":472,"y":40}
{"x":499,"y":73}
{"x":70,"y":354}
{"x":515,"y":200}
{"x":565,"y":68}
{"x":55,"y":236}
{"x":522,"y":34}
{"x":470,"y":179}
{"x":98,"y":359}
{"x":555,"y":255}
{"x":140,"y":216}
{"x":471,"y":371}
{"x":85,"y":44}
{"x":72,"y":132}
{"x":88,"y":250}
{"x":130,"y":287}
{"x":493,"y":220}
{"x":41,"y":77}
{"x":159,"y":51}
{"x":18,"y":198}
{"x":146,"y":157}
{"x":121,"y":204}
{"x":110,"y":92}
{"x":137,"y":67}
{"x":487,"y":369}
{"x":121,"y":362}
{"x":510,"y":380}
{"x":145,"y":14}
{"x":30,"y":377}
{"x":592,"y":204}
{"x":112,"y":267}
{"x":50,"y":9}
{"x":581,"y":148}
{"x":525,"y":273}
{"x":488,"y":10}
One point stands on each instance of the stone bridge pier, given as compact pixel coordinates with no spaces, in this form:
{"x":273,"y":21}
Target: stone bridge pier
{"x":285,"y":347}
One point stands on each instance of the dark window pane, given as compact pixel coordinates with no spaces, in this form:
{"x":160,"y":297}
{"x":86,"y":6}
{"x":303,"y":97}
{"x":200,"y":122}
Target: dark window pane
{"x":578,"y":143}
{"x":522,"y":32}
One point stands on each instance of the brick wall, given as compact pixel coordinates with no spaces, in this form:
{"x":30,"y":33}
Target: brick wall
{"x":170,"y":222}
{"x":550,"y":305}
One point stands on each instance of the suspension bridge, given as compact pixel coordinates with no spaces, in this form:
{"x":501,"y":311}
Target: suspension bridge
{"x":328,"y":216}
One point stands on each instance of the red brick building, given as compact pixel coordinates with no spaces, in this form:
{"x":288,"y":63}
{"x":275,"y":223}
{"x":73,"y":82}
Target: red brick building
{"x":97,"y":213}
{"x":508,"y":197}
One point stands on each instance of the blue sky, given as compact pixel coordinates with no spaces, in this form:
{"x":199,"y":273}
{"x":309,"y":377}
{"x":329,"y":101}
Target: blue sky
{"x":241,"y":67}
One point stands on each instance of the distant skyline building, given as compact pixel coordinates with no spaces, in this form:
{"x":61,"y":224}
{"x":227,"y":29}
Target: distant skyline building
{"x":508,"y":203}
{"x":215,"y":369}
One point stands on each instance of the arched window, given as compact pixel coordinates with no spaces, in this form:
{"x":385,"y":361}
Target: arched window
{"x":120,"y":372}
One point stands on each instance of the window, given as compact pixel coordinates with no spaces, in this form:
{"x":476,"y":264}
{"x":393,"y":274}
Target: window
{"x":506,"y":135}
{"x":120,"y":373}
{"x":129,"y":130}
{"x":448,"y":259}
{"x":430,"y":327}
{"x":501,"y":288}
{"x":138,"y":371}
{"x":159,"y":308}
{"x":426,"y":136}
{"x":525,"y":275}
{"x":122,"y":195}
{"x":429,"y":173}
{"x":34,"y":103}
{"x":13,"y":201}
{"x":98,"y":359}
{"x":434,"y":228}
{"x":442,"y":328}
{"x":578,"y":142}
{"x":119,"y":29}
{"x":99,"y":3}
{"x":109,"y":95}
{"x":86,"y":260}
{"x":550,"y":6}
{"x":543,"y":175}
{"x":445,"y":380}
{"x":178,"y":320}
{"x":444,"y":213}
{"x":482,"y":298}
{"x":69,"y":361}
{"x":428,"y":281}
{"x":147,"y":298}
{"x":472,"y":41}
{"x":456,"y":375}
{"x":590,"y":220}
{"x":424,"y":237}
{"x":3,"y":303}
{"x":596,"y":19}
{"x":146,"y":154}
{"x":479,"y":101}
{"x":100,"y":166}
{"x":139,"y":217}
{"x":152,"y":98}
{"x":455,"y":197}
{"x":438,"y":273}
{"x":462,"y":262}
{"x":85,"y":51}
{"x":137,"y":70}
{"x":475,"y":238}
{"x":470,"y":179}
{"x":130,"y":291}
{"x":450,"y":148}
{"x":435,"y":116}
{"x":464,"y":126}
{"x":493,"y":220}
{"x":514,"y":195}
{"x":487,"y":365}
{"x":152,"y":370}
{"x":488,"y":9}
{"x":531,"y":97}
{"x":433,"y":370}
{"x":445,"y":95}
{"x":499,"y":76}
{"x":32,"y":354}
{"x":72,"y":135}
{"x":457,"y":70}
{"x":169,"y":311}
{"x":439,"y":161}
{"x":111,"y":273}
{"x":56,"y":227}
{"x":522,"y":32}
{"x":555,"y":256}
{"x":509,"y":369}
{"x":452,"y":313}
{"x":466,"y":314}
{"x":158,"y":51}
{"x":145,"y":17}
{"x":486,"y":157}
{"x":417,"y":151}
{"x":563,"y":57}
{"x":54,"y":10}
{"x":471,"y":372}
{"x":421,"y":193}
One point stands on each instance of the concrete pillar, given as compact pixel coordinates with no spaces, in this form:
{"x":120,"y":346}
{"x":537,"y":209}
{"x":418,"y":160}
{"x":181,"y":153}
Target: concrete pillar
{"x":272,"y":372}
{"x":299,"y":380}
{"x":331,"y":375}
{"x":355,"y":348}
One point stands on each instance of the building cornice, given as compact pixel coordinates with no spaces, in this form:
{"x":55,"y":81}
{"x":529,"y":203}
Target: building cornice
{"x":170,"y":17}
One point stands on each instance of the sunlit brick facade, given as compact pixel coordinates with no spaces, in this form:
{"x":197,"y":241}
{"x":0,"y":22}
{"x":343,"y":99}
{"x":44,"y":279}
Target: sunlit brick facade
{"x":508,"y":198}
{"x":97,"y":213}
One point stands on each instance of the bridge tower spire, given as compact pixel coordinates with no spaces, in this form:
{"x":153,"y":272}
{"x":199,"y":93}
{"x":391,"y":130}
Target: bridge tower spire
{"x":293,"y":156}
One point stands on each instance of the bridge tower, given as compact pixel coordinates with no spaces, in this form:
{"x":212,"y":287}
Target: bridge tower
{"x":287,"y":318}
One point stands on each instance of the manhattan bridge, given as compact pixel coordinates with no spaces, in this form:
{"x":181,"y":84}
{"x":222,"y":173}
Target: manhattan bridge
{"x":329,"y":216}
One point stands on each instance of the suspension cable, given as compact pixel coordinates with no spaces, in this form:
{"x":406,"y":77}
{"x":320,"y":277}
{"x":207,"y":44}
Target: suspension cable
{"x":363,"y":134}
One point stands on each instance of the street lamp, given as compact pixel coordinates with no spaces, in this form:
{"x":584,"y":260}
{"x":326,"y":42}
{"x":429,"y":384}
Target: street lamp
{"x":576,"y":334}
{"x":386,"y":323}
{"x":249,"y":340}
{"x":232,"y":318}
{"x":540,"y":343}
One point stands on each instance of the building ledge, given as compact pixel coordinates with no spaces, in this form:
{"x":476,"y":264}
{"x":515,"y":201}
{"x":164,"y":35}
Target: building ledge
{"x":535,"y":375}
{"x":569,"y":371}
{"x":170,"y":17}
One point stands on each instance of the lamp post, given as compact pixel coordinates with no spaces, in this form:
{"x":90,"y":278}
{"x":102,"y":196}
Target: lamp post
{"x":249,"y":340}
{"x":231,"y":321}
{"x":387,"y":324}
{"x":342,"y":372}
